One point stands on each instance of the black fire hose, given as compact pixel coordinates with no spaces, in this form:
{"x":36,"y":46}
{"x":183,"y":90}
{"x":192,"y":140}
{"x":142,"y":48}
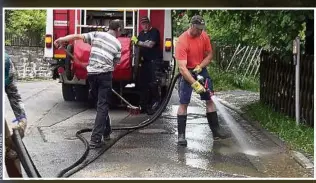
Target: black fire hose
{"x":31,"y":169}
{"x":24,"y":156}
{"x":83,"y":157}
{"x":84,"y":162}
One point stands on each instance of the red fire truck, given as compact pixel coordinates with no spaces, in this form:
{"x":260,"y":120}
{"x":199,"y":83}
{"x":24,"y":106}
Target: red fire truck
{"x":62,"y":22}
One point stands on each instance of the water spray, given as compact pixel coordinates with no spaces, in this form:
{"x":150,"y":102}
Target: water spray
{"x":230,"y":121}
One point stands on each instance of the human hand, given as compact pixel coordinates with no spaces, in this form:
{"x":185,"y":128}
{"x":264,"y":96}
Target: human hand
{"x":58,"y":42}
{"x":21,"y":127}
{"x":198,"y":88}
{"x":134,"y":40}
{"x":197,"y":69}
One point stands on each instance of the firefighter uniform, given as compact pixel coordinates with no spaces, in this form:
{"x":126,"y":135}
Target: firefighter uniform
{"x":150,"y":57}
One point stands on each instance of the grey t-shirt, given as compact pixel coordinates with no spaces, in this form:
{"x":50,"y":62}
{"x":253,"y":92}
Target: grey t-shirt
{"x":105,"y":52}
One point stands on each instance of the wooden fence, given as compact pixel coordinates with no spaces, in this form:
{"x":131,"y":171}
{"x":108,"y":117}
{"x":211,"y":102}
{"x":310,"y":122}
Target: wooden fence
{"x":277,"y":85}
{"x":222,"y":53}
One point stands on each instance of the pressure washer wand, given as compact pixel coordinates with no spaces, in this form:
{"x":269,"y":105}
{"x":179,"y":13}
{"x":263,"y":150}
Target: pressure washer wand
{"x":203,"y":82}
{"x":132,"y":109}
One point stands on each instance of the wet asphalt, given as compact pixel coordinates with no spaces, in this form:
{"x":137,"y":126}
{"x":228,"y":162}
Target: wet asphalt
{"x":150,"y":152}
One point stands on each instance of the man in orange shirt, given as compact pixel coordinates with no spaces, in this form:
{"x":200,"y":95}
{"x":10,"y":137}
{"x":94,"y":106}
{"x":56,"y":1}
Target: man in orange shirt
{"x":194,"y":53}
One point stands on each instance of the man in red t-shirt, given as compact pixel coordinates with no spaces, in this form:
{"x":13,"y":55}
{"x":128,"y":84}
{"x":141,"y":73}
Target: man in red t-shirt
{"x":194,"y":53}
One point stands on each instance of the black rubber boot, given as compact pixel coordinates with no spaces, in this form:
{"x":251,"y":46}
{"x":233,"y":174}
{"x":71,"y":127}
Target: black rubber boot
{"x":182,"y":121}
{"x":218,"y":132}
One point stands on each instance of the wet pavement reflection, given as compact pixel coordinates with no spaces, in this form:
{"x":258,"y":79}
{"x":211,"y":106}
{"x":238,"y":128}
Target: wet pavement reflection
{"x":227,"y":155}
{"x":151,"y":151}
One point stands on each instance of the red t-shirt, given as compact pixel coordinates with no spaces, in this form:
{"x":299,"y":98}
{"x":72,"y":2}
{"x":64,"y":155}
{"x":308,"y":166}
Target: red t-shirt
{"x":192,"y":49}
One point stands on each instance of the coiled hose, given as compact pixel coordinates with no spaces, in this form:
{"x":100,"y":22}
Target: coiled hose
{"x":83,"y":161}
{"x":32,"y":171}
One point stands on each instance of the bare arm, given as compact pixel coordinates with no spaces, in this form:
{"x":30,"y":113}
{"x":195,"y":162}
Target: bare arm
{"x":208,"y":52}
{"x":68,"y":38}
{"x":185,"y":72}
{"x":181,"y":53}
{"x":207,"y":60}
{"x":154,"y":38}
{"x":147,"y":44}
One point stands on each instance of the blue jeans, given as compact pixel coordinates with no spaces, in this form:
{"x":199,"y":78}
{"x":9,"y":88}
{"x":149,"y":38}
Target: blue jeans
{"x":185,"y":89}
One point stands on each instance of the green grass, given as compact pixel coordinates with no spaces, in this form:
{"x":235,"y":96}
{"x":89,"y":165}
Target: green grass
{"x":224,"y":81}
{"x":300,"y":137}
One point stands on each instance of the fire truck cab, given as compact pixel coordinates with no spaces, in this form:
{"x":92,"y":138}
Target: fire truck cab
{"x":126,"y":74}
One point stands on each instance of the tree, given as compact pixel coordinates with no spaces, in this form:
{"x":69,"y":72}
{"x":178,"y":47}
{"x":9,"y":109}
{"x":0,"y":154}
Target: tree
{"x":309,"y":44}
{"x":25,"y":23}
{"x":264,"y":28}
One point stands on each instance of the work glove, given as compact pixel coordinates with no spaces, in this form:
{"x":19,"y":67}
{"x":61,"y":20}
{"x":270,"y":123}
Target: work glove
{"x":197,"y":69}
{"x":21,"y":127}
{"x":134,"y":40}
{"x":198,"y":88}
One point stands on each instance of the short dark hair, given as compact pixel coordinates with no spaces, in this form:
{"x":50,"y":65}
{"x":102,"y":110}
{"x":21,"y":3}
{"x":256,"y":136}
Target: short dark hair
{"x":115,"y":25}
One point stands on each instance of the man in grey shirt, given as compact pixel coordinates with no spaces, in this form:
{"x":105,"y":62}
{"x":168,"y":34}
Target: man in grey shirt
{"x":105,"y":54}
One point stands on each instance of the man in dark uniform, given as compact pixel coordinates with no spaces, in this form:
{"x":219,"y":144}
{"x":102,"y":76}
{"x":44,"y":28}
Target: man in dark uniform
{"x":148,"y":42}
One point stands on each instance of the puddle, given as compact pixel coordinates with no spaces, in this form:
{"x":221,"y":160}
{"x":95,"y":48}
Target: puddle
{"x":198,"y":163}
{"x":243,"y":154}
{"x":235,"y":169}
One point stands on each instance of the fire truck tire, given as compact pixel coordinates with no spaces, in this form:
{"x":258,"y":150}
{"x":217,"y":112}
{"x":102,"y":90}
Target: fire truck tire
{"x":68,"y":92}
{"x":163,"y":91}
{"x":69,"y":73}
{"x":82,"y":93}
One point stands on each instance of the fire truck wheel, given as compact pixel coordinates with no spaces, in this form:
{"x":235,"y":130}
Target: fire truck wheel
{"x":82,"y":93}
{"x":69,"y":73}
{"x":163,"y":91}
{"x":68,"y":92}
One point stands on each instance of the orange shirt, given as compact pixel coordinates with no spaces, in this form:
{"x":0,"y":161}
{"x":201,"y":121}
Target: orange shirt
{"x":192,"y":49}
